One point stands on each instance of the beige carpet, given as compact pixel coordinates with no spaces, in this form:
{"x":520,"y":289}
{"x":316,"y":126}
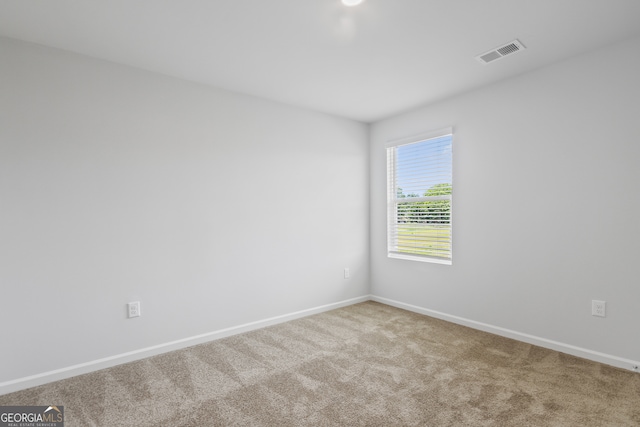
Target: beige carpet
{"x":364,"y":365}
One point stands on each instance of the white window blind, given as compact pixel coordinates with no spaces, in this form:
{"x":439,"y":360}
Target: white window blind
{"x":419,"y":188}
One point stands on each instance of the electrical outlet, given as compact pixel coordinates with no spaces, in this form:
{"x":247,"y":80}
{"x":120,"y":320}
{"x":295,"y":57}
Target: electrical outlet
{"x":598,"y":308}
{"x":347,"y":273}
{"x":134,"y":309}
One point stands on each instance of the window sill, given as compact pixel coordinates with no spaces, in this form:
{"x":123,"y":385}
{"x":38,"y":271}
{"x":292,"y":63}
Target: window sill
{"x":410,"y":257}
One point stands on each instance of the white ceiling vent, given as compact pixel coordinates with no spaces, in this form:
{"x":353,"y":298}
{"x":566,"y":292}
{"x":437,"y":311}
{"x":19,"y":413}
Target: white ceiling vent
{"x":500,"y":52}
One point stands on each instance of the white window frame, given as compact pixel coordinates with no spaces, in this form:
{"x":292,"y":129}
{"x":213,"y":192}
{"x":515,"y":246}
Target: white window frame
{"x":393,"y":201}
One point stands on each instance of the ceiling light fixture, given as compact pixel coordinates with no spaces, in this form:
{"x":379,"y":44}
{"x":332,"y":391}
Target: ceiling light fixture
{"x":351,"y":2}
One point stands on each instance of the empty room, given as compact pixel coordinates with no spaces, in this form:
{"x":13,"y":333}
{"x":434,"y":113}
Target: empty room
{"x":319,"y":212}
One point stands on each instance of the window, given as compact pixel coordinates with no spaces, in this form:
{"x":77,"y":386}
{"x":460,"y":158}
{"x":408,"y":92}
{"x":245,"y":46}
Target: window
{"x":419,"y":188}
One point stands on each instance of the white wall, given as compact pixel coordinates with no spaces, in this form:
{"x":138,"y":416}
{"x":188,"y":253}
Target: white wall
{"x":211,"y":208}
{"x":546,"y":205}
{"x":118,"y":184}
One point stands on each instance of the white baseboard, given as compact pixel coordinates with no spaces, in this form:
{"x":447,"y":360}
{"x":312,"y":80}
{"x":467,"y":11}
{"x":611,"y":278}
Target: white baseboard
{"x":107,"y":362}
{"x":584,"y":353}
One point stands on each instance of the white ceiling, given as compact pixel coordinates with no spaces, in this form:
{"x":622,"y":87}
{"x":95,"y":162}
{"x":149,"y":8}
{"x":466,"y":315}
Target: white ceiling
{"x":365,"y":63}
